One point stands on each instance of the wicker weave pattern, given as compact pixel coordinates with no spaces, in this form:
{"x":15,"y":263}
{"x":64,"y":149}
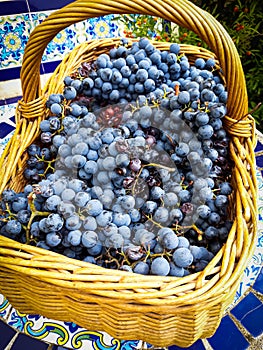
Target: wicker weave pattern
{"x":160,"y":310}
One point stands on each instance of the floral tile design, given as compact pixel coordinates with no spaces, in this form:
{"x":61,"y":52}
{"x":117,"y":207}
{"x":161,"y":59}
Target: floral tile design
{"x":102,"y":27}
{"x":5,"y":307}
{"x":7,"y":124}
{"x":253,"y":268}
{"x":14,"y":32}
{"x":67,"y":39}
{"x":66,"y":334}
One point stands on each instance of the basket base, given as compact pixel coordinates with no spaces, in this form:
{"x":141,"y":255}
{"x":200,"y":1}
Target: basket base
{"x":160,"y":330}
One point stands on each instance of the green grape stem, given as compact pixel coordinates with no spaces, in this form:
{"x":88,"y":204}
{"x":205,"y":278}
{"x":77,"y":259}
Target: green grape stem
{"x":34,"y":213}
{"x":10,"y":214}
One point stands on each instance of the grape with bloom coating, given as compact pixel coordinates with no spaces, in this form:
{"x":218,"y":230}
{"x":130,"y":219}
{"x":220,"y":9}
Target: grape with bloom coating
{"x":160,"y":266}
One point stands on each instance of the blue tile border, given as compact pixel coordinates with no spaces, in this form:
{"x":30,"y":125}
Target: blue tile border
{"x":24,"y":342}
{"x":13,"y":7}
{"x":7,"y":333}
{"x":258,"y":285}
{"x":246,"y":305}
{"x":5,"y":129}
{"x":21,"y":6}
{"x":14,"y":73}
{"x":49,"y":67}
{"x":198,"y":345}
{"x":36,"y":5}
{"x":9,"y":101}
{"x":249,"y":312}
{"x":10,"y":73}
{"x":228,"y":337}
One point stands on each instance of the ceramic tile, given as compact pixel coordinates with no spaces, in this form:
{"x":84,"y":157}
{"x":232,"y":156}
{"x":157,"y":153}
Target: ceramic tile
{"x":9,"y":74}
{"x":66,"y":334}
{"x":7,"y":333}
{"x":25,"y":342}
{"x":254,"y":265}
{"x":36,"y":5}
{"x":5,"y":307}
{"x":250,"y":313}
{"x":7,"y":125}
{"x":228,"y":337}
{"x":102,"y":27}
{"x":13,"y":7}
{"x":260,"y":162}
{"x":67,"y":39}
{"x":198,"y":345}
{"x":249,"y":277}
{"x":15,"y":30}
{"x":258,"y":285}
{"x":14,"y":33}
{"x":5,"y":129}
{"x":16,"y":320}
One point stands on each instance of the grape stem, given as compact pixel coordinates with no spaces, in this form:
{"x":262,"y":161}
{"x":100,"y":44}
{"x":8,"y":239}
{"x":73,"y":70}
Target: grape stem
{"x":124,"y":258}
{"x":34,"y":213}
{"x":10,"y":214}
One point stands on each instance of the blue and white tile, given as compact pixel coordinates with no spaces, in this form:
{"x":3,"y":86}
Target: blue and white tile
{"x":103,"y":27}
{"x":66,"y":334}
{"x":68,"y":38}
{"x":7,"y":124}
{"x":14,"y":33}
{"x":5,"y":307}
{"x":254,"y":265}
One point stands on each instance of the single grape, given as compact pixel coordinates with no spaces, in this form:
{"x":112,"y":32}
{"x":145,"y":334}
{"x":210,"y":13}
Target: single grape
{"x":176,"y":270}
{"x":13,"y":227}
{"x":170,"y":241}
{"x":89,"y":239}
{"x":182,"y":257}
{"x":74,"y":237}
{"x":142,"y":268}
{"x":160,"y":266}
{"x":73,"y":222}
{"x":53,"y":239}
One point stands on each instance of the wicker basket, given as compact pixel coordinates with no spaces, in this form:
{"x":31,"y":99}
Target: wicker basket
{"x":159,"y":310}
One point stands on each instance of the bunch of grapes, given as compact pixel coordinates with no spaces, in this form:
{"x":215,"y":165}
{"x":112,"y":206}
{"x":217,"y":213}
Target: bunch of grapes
{"x":131,"y":167}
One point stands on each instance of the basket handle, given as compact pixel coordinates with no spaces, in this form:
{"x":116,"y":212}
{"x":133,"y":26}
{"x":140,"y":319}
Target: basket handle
{"x":182,"y":12}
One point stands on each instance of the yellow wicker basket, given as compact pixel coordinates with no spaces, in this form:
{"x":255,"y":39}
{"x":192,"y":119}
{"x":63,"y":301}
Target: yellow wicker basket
{"x":159,"y":310}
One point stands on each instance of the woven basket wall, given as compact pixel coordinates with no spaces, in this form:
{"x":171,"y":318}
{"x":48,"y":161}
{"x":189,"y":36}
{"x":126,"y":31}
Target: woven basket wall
{"x":159,"y":310}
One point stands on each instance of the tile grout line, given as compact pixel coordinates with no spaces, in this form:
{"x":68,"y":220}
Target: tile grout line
{"x":249,"y":338}
{"x":257,"y":294}
{"x":206,"y":344}
{"x":9,"y":313}
{"x":9,"y":346}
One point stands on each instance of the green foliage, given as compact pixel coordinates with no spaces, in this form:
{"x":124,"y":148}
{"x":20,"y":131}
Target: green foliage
{"x":242,"y":19}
